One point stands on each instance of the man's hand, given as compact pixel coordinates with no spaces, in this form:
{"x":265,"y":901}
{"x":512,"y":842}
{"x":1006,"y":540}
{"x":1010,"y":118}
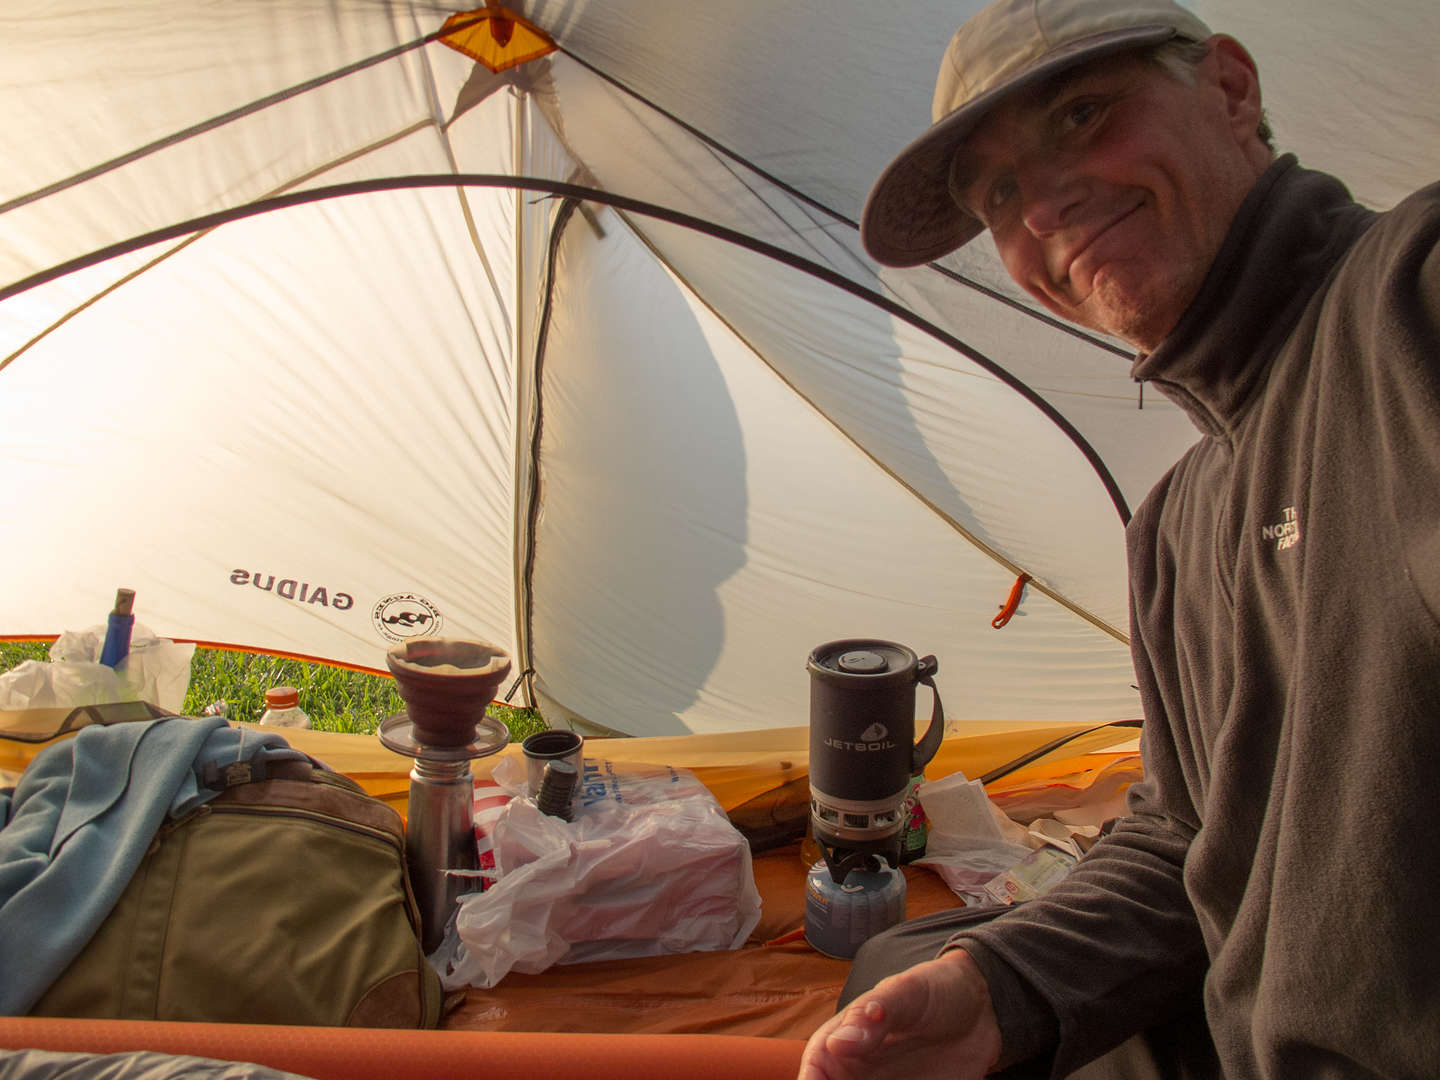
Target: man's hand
{"x":934,"y":1019}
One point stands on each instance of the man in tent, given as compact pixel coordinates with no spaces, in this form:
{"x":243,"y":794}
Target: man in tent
{"x":1268,"y":906}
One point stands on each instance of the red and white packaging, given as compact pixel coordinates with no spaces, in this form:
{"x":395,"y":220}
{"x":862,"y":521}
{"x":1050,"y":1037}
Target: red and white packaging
{"x":488,"y":801}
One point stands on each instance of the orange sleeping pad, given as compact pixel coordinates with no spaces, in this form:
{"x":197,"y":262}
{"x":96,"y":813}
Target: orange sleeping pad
{"x":376,"y":1054}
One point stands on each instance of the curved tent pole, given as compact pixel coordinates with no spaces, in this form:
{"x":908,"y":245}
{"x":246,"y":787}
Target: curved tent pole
{"x":463,"y":24}
{"x":620,"y":202}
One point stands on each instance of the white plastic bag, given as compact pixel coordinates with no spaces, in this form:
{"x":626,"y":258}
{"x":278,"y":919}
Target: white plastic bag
{"x":650,"y":865}
{"x":970,"y":840}
{"x":156,"y":670}
{"x":977,"y":848}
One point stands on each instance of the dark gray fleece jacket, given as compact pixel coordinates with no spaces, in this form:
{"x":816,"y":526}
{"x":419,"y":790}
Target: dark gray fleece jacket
{"x":1282,"y":855}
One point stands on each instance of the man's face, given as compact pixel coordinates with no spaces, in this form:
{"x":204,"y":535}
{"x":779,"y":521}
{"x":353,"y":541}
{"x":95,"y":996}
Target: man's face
{"x":1109,"y":194}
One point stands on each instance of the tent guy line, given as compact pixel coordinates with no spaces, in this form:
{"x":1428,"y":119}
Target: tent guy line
{"x":620,"y":202}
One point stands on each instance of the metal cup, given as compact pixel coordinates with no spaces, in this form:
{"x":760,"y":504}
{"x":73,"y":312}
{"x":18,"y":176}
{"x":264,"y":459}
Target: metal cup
{"x":544,"y":747}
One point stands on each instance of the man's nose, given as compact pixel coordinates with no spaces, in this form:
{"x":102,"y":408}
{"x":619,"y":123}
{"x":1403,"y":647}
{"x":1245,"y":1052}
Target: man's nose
{"x":1051,"y":193}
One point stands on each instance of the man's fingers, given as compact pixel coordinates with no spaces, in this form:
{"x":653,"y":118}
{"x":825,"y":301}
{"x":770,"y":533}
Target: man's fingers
{"x":861,"y":1027}
{"x":833,"y":1048}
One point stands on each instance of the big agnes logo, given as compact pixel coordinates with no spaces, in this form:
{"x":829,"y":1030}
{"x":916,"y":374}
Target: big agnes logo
{"x":402,"y":616}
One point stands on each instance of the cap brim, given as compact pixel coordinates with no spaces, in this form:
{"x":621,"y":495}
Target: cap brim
{"x":909,"y":216}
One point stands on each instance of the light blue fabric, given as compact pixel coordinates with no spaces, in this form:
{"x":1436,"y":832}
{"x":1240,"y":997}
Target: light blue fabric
{"x":73,"y":832}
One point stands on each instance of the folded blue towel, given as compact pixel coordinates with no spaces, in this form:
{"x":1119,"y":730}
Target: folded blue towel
{"x":73,"y":832}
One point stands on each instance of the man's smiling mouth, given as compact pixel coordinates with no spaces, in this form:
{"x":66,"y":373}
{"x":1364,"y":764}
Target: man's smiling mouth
{"x":1073,"y":256}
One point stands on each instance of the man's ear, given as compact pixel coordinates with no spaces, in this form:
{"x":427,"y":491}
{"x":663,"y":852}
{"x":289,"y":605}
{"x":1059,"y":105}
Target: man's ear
{"x":1234,"y":72}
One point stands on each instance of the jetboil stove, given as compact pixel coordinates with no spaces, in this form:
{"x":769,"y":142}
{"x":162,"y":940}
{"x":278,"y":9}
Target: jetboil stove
{"x":864,"y":763}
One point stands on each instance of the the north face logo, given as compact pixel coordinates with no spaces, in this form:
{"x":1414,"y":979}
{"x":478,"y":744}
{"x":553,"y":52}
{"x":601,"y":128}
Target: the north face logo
{"x":1284,"y":533}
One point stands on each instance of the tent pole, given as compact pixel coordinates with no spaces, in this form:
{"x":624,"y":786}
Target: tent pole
{"x":619,"y":202}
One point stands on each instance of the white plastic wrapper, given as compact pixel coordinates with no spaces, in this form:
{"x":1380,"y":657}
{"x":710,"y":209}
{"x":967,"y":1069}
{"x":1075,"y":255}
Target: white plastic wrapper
{"x":977,"y":849}
{"x":970,"y":840}
{"x":650,"y":866}
{"x":156,"y":670}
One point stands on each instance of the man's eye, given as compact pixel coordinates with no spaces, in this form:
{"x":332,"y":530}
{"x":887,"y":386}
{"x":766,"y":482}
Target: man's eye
{"x":998,"y":194}
{"x":1079,"y":113}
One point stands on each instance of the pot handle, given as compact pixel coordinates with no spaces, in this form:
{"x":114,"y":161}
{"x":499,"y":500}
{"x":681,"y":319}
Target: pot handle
{"x":925,"y":672}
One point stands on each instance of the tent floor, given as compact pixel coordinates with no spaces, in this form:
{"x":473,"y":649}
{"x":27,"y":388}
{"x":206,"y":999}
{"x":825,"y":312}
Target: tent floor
{"x":777,"y":986}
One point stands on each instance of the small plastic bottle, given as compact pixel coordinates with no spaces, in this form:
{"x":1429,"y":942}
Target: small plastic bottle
{"x":282,"y":708}
{"x":118,"y":629}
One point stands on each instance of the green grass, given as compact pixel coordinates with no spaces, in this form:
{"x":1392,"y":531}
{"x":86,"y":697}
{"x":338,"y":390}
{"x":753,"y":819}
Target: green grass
{"x":336,"y":699}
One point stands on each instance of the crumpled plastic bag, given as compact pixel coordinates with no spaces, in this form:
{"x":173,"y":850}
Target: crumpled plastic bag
{"x":973,"y":843}
{"x":970,"y":839}
{"x":156,"y":670}
{"x":662,"y":871}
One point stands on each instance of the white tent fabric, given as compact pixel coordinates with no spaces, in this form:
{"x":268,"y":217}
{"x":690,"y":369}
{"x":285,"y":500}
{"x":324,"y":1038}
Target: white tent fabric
{"x":656,"y":466}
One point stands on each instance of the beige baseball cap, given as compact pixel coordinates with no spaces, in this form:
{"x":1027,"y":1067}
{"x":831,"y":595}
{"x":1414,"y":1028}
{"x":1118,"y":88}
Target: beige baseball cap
{"x":910,"y":216}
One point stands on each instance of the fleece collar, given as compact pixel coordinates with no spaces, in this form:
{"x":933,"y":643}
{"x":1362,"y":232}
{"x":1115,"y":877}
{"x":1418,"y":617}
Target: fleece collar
{"x":1288,"y":234}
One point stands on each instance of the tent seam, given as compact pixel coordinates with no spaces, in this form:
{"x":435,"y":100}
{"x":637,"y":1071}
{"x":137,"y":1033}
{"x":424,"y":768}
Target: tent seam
{"x":986,"y":549}
{"x":718,"y":147}
{"x":562,"y":220}
{"x":224,"y":118}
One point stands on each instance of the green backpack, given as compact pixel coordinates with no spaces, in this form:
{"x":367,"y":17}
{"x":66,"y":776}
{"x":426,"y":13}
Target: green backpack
{"x":283,"y":900}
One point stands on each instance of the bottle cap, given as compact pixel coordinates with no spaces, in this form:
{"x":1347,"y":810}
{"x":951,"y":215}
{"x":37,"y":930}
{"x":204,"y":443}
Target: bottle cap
{"x":282,"y":697}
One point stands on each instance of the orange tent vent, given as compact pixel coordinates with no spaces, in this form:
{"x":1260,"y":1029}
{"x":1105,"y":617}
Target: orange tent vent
{"x":496,"y":37}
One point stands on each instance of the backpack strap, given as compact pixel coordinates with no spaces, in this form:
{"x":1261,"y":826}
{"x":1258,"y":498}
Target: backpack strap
{"x":219,"y":777}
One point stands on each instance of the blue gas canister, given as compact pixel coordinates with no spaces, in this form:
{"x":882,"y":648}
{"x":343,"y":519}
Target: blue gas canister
{"x":839,"y":918}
